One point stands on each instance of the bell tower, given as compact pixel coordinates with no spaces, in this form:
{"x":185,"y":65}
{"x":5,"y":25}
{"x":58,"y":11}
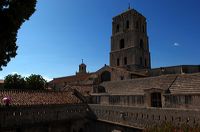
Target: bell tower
{"x":129,"y":41}
{"x":82,"y":69}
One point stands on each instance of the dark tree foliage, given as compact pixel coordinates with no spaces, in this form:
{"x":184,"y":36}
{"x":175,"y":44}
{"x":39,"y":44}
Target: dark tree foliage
{"x":14,"y":82}
{"x":13,"y":13}
{"x":36,"y":82}
{"x":17,"y":82}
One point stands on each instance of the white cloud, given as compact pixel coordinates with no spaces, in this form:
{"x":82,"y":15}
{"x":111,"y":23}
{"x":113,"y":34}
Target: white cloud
{"x":47,"y":78}
{"x":176,"y":44}
{"x":14,"y":73}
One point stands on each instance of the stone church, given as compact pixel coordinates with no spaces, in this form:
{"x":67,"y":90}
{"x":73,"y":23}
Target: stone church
{"x":129,"y":79}
{"x":125,"y":96}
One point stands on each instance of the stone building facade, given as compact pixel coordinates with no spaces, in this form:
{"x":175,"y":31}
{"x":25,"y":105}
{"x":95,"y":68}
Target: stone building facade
{"x":129,"y":80}
{"x":166,"y":91}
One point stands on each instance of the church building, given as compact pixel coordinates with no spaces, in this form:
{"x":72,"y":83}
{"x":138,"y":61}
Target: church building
{"x":129,"y":79}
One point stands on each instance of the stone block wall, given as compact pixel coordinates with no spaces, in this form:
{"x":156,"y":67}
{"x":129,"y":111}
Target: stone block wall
{"x":123,"y":100}
{"x":182,"y":101}
{"x":140,"y":117}
{"x":175,"y":70}
{"x":25,"y":115}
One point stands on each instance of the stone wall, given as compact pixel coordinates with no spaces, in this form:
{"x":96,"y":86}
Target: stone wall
{"x":12,"y":116}
{"x":174,"y":70}
{"x":141,"y":118}
{"x":167,"y":101}
{"x":102,"y":126}
{"x":124,"y":100}
{"x":182,"y":101}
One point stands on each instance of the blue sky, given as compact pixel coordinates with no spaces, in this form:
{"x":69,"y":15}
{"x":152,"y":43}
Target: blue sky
{"x":62,"y":32}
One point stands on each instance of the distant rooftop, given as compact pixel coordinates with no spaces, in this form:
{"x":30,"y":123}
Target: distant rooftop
{"x":174,"y":83}
{"x":1,"y":81}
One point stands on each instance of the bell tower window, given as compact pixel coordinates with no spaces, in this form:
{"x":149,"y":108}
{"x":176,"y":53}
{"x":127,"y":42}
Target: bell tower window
{"x":117,"y":28}
{"x":141,"y":43}
{"x":121,"y":44}
{"x":117,"y":61}
{"x":127,"y":24}
{"x":143,"y":29}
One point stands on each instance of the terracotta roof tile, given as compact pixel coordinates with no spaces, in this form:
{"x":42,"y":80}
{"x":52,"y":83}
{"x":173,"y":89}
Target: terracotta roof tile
{"x":38,"y":97}
{"x":70,"y":78}
{"x":83,"y":89}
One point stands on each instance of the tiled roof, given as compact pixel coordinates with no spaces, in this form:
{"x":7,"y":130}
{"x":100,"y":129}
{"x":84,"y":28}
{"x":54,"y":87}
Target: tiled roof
{"x":109,"y":68}
{"x":83,"y":89}
{"x":182,"y":83}
{"x":186,"y":84}
{"x":129,"y":11}
{"x":38,"y":97}
{"x":70,"y":78}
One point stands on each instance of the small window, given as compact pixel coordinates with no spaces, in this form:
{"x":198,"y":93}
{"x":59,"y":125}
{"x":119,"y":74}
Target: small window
{"x":117,"y":28}
{"x":125,"y":60}
{"x":105,"y":76}
{"x":188,"y":99}
{"x":117,"y":61}
{"x":127,"y":24}
{"x":141,"y":61}
{"x":143,"y":29}
{"x":141,"y":43}
{"x":122,"y":77}
{"x":121,"y":43}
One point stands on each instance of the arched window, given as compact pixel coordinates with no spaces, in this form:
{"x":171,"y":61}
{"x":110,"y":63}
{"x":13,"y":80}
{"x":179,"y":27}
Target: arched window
{"x":125,"y":60}
{"x":117,"y":28}
{"x":141,"y":43}
{"x":118,"y":62}
{"x":101,"y":89}
{"x":105,"y":76}
{"x":121,"y":44}
{"x":127,"y":24}
{"x":143,"y":29}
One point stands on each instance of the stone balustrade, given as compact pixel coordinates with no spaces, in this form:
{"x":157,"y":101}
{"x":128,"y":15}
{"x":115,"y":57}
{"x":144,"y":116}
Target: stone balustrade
{"x":135,"y":117}
{"x":141,"y":118}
